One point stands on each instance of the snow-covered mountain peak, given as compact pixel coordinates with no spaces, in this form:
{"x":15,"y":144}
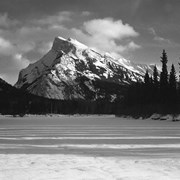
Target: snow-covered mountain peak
{"x":71,"y":70}
{"x":106,"y":54}
{"x":61,"y":38}
{"x":68,"y":45}
{"x":60,"y":44}
{"x":77,"y":43}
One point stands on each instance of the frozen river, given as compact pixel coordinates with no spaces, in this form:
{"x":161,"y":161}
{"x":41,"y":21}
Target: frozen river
{"x":149,"y":147}
{"x":102,"y":135}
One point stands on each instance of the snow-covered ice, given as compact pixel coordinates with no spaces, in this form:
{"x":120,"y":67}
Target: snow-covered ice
{"x":88,"y":148}
{"x":75,"y":167}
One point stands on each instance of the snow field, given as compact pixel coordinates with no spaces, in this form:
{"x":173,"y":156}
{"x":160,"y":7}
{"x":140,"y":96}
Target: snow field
{"x":88,"y":148}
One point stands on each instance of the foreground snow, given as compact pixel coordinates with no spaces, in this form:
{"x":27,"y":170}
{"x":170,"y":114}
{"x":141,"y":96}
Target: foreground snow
{"x":88,"y":148}
{"x":68,"y":167}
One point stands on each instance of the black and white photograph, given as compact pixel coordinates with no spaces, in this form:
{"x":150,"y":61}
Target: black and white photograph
{"x":89,"y":89}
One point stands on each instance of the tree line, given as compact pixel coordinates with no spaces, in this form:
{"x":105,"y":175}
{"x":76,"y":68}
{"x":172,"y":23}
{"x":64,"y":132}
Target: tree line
{"x":18,"y":102}
{"x":159,"y":93}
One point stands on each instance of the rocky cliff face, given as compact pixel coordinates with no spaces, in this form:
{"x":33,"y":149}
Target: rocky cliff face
{"x":71,"y":70}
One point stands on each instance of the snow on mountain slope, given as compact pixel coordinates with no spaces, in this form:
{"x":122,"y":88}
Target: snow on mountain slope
{"x":70,"y":70}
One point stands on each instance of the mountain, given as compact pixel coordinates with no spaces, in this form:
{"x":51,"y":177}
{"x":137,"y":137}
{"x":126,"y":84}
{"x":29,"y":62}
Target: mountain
{"x":71,"y":70}
{"x":5,"y":88}
{"x":19,"y":102}
{"x":8,"y":94}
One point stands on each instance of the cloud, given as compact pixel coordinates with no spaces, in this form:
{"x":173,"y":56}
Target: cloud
{"x":158,"y":38}
{"x":28,"y":41}
{"x":6,"y":22}
{"x":161,"y":39}
{"x":109,"y":28}
{"x":100,"y":34}
{"x":11,"y":60}
{"x":107,"y":35}
{"x":11,"y":65}
{"x":86,"y":13}
{"x":25,"y":42}
{"x":19,"y":59}
{"x":103,"y":34}
{"x":133,"y":46}
{"x":152,"y":31}
{"x":58,"y":18}
{"x":6,"y":48}
{"x":44,"y":47}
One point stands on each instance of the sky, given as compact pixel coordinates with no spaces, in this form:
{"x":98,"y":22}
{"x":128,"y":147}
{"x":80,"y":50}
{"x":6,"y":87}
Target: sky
{"x":137,"y":30}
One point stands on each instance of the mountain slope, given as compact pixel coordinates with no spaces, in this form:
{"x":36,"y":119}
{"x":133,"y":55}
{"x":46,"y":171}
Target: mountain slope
{"x":71,"y":70}
{"x":6,"y":88}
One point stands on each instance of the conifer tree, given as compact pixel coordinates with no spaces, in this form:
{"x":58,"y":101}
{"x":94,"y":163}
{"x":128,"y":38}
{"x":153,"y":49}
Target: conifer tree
{"x":178,"y":84}
{"x":147,"y":90}
{"x":164,"y":73}
{"x":155,"y":77}
{"x":173,"y":84}
{"x":155,"y":85}
{"x":164,"y":77}
{"x":172,"y":78}
{"x":147,"y":78}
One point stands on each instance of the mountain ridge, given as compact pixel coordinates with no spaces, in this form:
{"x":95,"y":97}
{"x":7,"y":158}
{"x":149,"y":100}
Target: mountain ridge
{"x":70,"y":67}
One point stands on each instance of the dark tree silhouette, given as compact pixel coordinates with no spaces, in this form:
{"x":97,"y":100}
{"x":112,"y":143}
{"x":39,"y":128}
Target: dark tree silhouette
{"x":172,"y":78}
{"x":147,"y":78}
{"x":173,"y":84}
{"x":155,"y":85}
{"x":164,"y":78}
{"x":178,"y":84}
{"x":147,"y":88}
{"x":155,"y":76}
{"x":153,"y":95}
